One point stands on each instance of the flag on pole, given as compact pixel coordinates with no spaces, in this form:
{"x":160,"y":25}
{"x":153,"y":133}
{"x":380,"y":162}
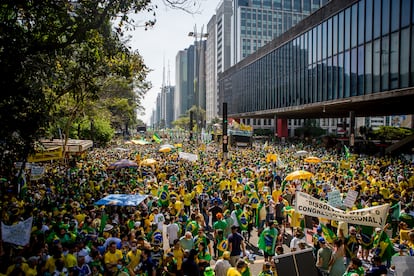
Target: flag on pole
{"x":156,"y":138}
{"x":329,"y":235}
{"x":347,"y":152}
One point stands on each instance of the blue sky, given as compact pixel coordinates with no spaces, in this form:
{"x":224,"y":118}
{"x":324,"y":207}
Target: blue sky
{"x":164,"y":40}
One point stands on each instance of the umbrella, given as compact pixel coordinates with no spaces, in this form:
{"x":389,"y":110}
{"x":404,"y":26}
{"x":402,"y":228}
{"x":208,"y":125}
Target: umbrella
{"x":301,"y":153}
{"x":123,"y":163}
{"x":148,"y":162}
{"x":165,"y":149}
{"x":313,"y":159}
{"x":121,"y":200}
{"x":300,"y":174}
{"x":167,"y":146}
{"x":140,"y":142}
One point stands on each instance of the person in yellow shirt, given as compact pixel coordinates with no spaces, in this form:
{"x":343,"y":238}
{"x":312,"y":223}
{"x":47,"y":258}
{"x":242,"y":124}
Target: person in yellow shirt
{"x":187,"y":197}
{"x":32,"y":263}
{"x":133,"y":256}
{"x":70,"y":259}
{"x":18,"y":266}
{"x":241,"y":266}
{"x":113,"y":258}
{"x":57,"y":254}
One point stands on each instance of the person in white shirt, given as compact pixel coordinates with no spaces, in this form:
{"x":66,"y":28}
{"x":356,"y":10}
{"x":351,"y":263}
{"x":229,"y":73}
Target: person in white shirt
{"x":299,"y":237}
{"x":158,"y":219}
{"x":172,"y":231}
{"x":222,"y":264}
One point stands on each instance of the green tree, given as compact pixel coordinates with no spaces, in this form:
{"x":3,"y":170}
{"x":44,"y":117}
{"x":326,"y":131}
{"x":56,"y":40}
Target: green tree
{"x":42,"y":45}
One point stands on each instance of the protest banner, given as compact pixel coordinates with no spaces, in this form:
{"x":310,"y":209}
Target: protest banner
{"x":373,"y":216}
{"x":188,"y":156}
{"x":19,"y":233}
{"x":36,"y":172}
{"x":350,"y":198}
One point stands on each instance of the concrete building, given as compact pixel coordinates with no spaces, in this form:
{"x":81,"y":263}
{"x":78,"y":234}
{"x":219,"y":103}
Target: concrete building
{"x":184,"y":97}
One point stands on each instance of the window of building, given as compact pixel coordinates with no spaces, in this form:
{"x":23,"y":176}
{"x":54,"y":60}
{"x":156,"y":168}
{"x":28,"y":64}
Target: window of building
{"x":368,"y":68}
{"x":394,"y":60}
{"x":347,"y":33}
{"x":404,"y":61}
{"x":395,"y":15}
{"x":361,"y":25}
{"x":377,"y":19}
{"x":385,"y":19}
{"x":376,"y":81}
{"x":340,"y":76}
{"x":340,"y":32}
{"x":405,"y":12}
{"x":360,"y":74}
{"x":385,"y":63}
{"x":335,"y":35}
{"x":354,"y":25}
{"x":368,"y":20}
{"x":287,"y":5}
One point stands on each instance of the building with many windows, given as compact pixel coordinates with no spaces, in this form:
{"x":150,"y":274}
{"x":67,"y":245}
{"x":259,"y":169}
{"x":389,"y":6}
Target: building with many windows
{"x":349,"y":55}
{"x":239,"y":28}
{"x":257,"y":22}
{"x":184,"y":81}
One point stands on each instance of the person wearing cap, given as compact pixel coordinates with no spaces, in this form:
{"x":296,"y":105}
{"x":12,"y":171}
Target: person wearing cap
{"x":222,"y":264}
{"x":315,"y":239}
{"x":323,"y":257}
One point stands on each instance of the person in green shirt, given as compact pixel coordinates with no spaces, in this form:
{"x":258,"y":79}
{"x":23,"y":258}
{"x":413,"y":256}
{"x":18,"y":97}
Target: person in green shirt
{"x":355,"y":268}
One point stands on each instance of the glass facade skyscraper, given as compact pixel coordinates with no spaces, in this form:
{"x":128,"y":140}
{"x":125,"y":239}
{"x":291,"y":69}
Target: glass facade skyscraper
{"x":257,"y":22}
{"x":346,"y":49}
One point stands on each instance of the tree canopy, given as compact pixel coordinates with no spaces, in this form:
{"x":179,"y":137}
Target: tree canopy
{"x":63,"y":62}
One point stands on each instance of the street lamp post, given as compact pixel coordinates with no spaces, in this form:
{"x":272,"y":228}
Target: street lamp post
{"x":198,"y":75}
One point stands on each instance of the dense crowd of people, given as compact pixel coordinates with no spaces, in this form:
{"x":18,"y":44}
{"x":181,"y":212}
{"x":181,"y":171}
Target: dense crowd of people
{"x":199,"y":216}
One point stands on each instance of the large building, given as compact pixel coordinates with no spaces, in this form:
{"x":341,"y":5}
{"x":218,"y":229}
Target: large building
{"x":184,"y":97}
{"x":349,"y":58}
{"x":218,"y":54}
{"x":257,"y":22}
{"x":240,"y":28}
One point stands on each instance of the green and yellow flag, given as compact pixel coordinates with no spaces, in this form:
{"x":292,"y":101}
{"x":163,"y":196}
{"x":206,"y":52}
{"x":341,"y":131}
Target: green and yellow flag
{"x":328,"y":233}
{"x":156,"y":138}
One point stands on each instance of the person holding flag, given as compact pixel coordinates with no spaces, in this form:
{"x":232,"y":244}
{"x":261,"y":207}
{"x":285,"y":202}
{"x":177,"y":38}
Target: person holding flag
{"x":267,"y":240}
{"x":383,"y":246}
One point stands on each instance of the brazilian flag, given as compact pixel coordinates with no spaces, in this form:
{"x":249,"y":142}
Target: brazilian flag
{"x":243,"y":219}
{"x":329,"y":235}
{"x":223,"y":245}
{"x":164,"y":197}
{"x":254,"y":200}
{"x":156,"y":138}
